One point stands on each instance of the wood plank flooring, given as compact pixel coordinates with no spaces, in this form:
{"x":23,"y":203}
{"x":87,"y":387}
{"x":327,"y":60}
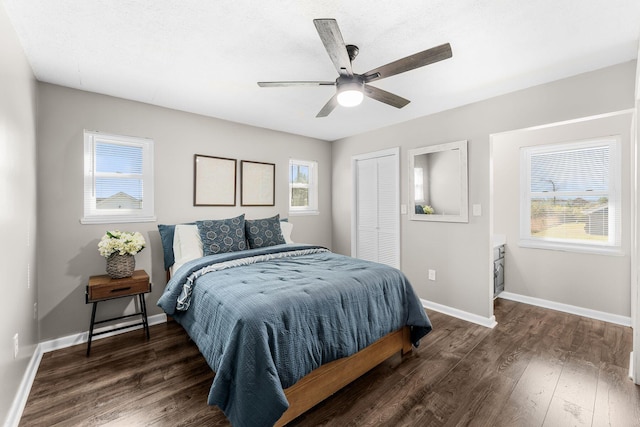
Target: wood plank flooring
{"x":538,"y":367}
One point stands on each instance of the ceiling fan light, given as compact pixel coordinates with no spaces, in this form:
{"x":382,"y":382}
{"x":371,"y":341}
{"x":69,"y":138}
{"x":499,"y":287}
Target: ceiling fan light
{"x":350,"y":97}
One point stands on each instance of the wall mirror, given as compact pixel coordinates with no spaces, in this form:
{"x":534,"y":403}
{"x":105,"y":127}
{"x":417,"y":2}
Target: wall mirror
{"x":438,"y":186}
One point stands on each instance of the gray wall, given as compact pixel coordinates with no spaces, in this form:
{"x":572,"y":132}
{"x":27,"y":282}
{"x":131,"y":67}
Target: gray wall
{"x":593,"y":281}
{"x":67,"y":250}
{"x":460,"y":253}
{"x":17,"y":212}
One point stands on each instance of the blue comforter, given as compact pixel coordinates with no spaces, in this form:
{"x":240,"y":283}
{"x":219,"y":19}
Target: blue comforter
{"x":264,"y":318}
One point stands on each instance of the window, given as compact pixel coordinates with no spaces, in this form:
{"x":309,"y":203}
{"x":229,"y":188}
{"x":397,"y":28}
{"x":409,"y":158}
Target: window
{"x":571,"y":196}
{"x":118,"y":179}
{"x":303,"y":187}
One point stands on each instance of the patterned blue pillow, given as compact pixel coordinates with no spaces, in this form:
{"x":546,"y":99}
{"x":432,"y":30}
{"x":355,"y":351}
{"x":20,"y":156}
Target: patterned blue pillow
{"x":222,"y":235}
{"x":264,"y":232}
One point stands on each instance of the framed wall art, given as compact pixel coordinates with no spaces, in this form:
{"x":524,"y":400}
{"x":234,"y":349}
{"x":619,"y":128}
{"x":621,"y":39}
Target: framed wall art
{"x":258,"y":183}
{"x":214,"y":182}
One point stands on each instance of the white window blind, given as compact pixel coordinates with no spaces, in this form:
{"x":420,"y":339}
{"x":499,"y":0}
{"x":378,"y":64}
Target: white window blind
{"x":118,"y":183}
{"x":571,"y":196}
{"x":303,"y":187}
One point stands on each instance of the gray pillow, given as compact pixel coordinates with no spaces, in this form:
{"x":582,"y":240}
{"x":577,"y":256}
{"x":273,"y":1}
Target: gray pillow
{"x":264,"y":232}
{"x":222,"y":235}
{"x":166,"y":236}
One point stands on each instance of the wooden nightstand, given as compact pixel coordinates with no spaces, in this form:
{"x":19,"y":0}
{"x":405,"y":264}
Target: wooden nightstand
{"x":102,"y":288}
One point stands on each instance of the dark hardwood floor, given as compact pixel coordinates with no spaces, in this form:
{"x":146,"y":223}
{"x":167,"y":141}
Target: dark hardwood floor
{"x":538,"y":367}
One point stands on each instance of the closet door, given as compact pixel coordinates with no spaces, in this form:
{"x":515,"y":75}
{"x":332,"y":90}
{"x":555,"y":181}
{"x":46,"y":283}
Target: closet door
{"x":388,"y":212}
{"x":367,"y":210}
{"x":376,"y":220}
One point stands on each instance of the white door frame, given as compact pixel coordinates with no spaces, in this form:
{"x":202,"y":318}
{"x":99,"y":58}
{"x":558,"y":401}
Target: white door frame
{"x":634,"y":369}
{"x":394,"y":152}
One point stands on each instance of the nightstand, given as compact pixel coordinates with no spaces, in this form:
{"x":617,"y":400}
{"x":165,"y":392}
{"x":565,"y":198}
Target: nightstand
{"x":103,"y":288}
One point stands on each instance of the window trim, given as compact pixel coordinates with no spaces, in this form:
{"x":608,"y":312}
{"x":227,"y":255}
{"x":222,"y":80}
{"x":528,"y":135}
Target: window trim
{"x":91,"y":214}
{"x":613,"y":246}
{"x":312,"y":208}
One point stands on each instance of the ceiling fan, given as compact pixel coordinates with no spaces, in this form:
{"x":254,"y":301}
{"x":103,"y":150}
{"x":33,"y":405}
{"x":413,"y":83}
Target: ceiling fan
{"x":351,"y":87}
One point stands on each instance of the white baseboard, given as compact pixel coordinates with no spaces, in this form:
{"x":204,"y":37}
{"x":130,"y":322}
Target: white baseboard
{"x":19,"y":402}
{"x":567,"y":308}
{"x":83,"y":337}
{"x":489,"y":322}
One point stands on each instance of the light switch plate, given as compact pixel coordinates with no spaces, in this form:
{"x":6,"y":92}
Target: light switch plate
{"x":477,"y":210}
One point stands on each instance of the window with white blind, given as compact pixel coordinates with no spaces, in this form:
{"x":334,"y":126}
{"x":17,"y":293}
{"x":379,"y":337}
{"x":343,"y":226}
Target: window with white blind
{"x":303,"y":187}
{"x":570,"y":196}
{"x":118,"y":179}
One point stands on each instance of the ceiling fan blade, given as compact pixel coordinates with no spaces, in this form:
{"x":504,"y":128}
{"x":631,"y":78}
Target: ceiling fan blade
{"x":411,"y":62}
{"x":332,"y":39}
{"x":329,"y":106}
{"x":384,"y":96}
{"x":298,"y":83}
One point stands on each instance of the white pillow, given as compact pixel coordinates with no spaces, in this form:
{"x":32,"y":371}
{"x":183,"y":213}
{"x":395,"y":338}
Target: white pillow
{"x":286,"y":228}
{"x":187,"y":244}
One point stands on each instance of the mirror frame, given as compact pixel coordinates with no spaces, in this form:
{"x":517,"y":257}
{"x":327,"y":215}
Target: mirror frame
{"x":464,"y":183}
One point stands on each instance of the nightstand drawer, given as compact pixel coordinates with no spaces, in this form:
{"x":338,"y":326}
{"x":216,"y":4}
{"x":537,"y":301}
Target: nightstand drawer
{"x":113,"y":290}
{"x":104,"y":287}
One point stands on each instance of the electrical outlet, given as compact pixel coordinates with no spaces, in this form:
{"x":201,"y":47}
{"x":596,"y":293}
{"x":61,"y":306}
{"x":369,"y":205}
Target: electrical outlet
{"x":35,"y":311}
{"x":16,"y":346}
{"x":432,"y":274}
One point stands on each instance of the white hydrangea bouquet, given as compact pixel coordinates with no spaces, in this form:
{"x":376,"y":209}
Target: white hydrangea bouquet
{"x":121,"y":242}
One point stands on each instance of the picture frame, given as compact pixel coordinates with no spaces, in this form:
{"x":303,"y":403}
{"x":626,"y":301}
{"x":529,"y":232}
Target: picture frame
{"x":258,"y":184}
{"x":214,"y":181}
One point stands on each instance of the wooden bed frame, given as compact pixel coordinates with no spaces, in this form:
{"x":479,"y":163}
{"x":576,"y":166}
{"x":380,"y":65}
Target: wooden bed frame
{"x":328,"y":379}
{"x":324,"y":381}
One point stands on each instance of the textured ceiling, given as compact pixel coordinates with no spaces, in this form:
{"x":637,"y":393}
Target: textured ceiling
{"x":206,"y":56}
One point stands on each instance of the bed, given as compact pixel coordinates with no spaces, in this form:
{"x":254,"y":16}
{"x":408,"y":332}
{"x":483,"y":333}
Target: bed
{"x":285,"y":325}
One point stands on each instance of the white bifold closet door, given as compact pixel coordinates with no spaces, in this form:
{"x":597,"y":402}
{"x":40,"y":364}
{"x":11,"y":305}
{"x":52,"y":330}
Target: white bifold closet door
{"x":377,"y":221}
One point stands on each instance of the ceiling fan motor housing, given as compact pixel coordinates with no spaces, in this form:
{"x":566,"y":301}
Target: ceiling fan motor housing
{"x":350,"y":90}
{"x":354,"y":82}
